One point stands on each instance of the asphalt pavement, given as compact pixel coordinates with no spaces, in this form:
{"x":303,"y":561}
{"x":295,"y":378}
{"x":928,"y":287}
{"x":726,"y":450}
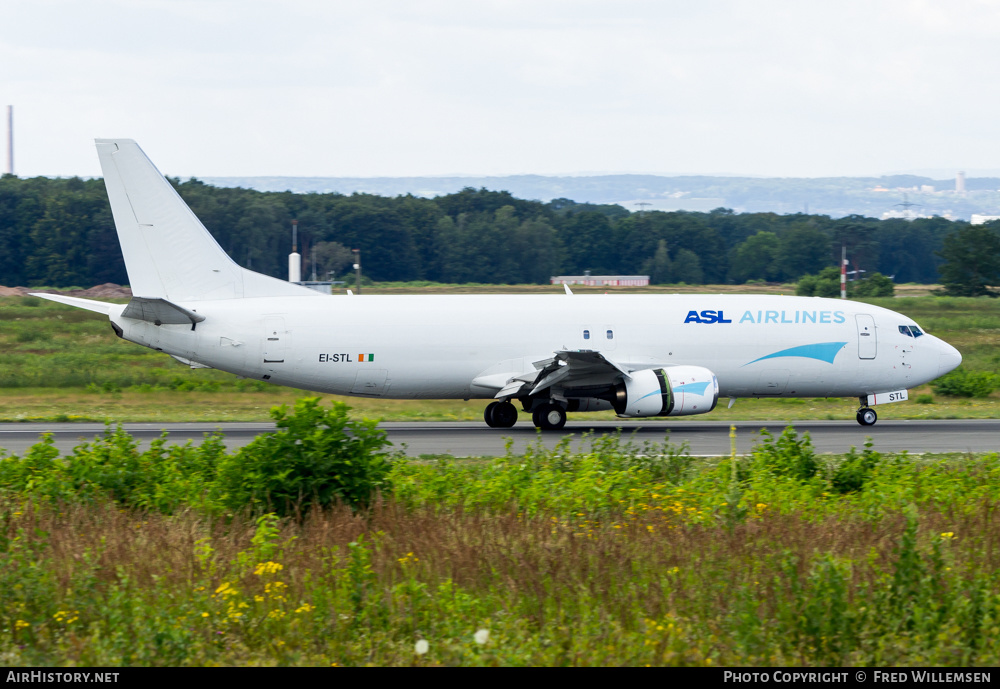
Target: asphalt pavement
{"x":473,"y":438}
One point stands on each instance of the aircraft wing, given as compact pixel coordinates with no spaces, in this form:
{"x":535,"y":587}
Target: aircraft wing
{"x":568,"y":368}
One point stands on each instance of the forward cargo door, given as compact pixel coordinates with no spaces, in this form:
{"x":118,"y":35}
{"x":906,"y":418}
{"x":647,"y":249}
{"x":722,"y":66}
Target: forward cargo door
{"x":867,"y":336}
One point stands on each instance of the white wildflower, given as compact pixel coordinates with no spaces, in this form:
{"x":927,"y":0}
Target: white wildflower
{"x":482,"y":636}
{"x":421,"y":647}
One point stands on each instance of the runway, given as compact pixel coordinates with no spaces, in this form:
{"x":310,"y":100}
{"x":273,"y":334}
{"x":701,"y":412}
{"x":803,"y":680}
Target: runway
{"x":472,"y":438}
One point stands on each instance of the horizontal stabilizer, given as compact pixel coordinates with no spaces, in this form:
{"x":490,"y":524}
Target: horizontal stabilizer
{"x":89,"y":304}
{"x":160,"y":311}
{"x":189,"y":362}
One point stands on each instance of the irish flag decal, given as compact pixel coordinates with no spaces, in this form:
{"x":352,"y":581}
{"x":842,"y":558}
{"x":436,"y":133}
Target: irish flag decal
{"x":365,"y":357}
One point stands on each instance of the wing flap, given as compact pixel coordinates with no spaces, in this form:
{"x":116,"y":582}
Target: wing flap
{"x":566,"y":368}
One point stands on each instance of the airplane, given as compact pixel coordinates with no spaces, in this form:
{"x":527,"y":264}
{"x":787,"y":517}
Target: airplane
{"x":646,"y":355}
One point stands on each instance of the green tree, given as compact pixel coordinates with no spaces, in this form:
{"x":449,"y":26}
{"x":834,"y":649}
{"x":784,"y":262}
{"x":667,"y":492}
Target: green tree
{"x":659,"y":267}
{"x":331,"y":258}
{"x":756,"y":259}
{"x":590,"y":242}
{"x":686,"y":268}
{"x":450,"y":239}
{"x":860,"y":235}
{"x":971,"y":261}
{"x":804,"y":249}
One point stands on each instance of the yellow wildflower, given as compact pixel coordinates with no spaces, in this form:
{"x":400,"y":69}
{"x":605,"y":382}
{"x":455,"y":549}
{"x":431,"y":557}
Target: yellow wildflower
{"x":226,"y":589}
{"x":268,"y":568}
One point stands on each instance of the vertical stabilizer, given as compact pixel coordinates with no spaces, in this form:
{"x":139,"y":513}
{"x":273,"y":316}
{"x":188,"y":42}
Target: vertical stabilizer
{"x":168,"y":252}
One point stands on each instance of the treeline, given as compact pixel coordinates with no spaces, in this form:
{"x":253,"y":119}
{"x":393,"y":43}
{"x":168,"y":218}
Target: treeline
{"x":60,"y":233}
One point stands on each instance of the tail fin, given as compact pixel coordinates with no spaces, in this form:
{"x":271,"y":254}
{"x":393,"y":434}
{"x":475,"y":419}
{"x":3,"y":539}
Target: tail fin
{"x":168,"y":252}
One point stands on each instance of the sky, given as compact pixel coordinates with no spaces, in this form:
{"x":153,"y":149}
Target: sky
{"x":781,"y":88}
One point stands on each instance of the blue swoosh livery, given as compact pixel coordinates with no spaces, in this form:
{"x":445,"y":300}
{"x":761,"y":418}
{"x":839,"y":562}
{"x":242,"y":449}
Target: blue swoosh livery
{"x":693,"y":388}
{"x":822,"y":351}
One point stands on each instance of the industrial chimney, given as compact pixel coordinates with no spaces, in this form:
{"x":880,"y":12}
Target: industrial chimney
{"x":10,"y":140}
{"x":295,"y":258}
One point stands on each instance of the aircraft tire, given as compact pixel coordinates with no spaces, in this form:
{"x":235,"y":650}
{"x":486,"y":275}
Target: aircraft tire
{"x":867,"y":416}
{"x":504,"y":415}
{"x":549,"y":417}
{"x":488,"y":414}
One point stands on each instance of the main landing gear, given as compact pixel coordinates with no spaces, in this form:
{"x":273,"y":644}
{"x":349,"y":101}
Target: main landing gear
{"x":500,"y":415}
{"x":549,"y":417}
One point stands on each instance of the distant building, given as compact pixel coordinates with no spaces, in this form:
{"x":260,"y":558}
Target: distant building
{"x":602,"y":280}
{"x":902,"y":215}
{"x":978,"y":219}
{"x":960,"y":183}
{"x":927,"y":188}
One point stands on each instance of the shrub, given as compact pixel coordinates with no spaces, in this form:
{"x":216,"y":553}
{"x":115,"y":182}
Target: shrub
{"x":826,"y":283}
{"x":856,"y":469}
{"x":874,"y":285}
{"x":317,"y":458}
{"x":787,"y":455}
{"x":965,"y":383}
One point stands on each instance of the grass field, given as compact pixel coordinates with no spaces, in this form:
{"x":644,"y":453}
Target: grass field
{"x":60,"y":363}
{"x":623,"y":556}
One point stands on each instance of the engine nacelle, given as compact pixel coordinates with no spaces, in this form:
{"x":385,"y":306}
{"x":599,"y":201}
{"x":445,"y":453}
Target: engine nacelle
{"x":674,"y":391}
{"x":589,"y":404}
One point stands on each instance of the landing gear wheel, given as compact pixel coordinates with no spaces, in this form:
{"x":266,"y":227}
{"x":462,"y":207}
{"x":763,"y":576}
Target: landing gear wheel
{"x":549,"y":417}
{"x":500,"y":415}
{"x":867,"y":416}
{"x":488,"y":414}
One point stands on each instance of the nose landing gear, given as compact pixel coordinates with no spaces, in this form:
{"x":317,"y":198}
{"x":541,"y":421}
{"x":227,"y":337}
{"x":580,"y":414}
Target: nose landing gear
{"x":867,"y":416}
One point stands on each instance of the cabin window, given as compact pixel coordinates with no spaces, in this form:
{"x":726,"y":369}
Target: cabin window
{"x":611,"y":334}
{"x":586,"y":334}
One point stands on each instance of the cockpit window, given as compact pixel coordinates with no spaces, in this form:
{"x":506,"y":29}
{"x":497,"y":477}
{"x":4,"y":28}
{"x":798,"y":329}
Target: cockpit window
{"x":905,"y":329}
{"x":915,"y":330}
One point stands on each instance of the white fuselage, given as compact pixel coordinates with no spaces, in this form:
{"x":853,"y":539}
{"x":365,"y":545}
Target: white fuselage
{"x":438,"y":347}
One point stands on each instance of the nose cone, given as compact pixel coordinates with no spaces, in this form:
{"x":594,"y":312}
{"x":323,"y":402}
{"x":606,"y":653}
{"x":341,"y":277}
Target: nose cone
{"x":948,"y":359}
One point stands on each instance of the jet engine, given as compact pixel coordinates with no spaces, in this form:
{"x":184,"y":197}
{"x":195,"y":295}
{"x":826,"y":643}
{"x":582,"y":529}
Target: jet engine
{"x":674,"y":391}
